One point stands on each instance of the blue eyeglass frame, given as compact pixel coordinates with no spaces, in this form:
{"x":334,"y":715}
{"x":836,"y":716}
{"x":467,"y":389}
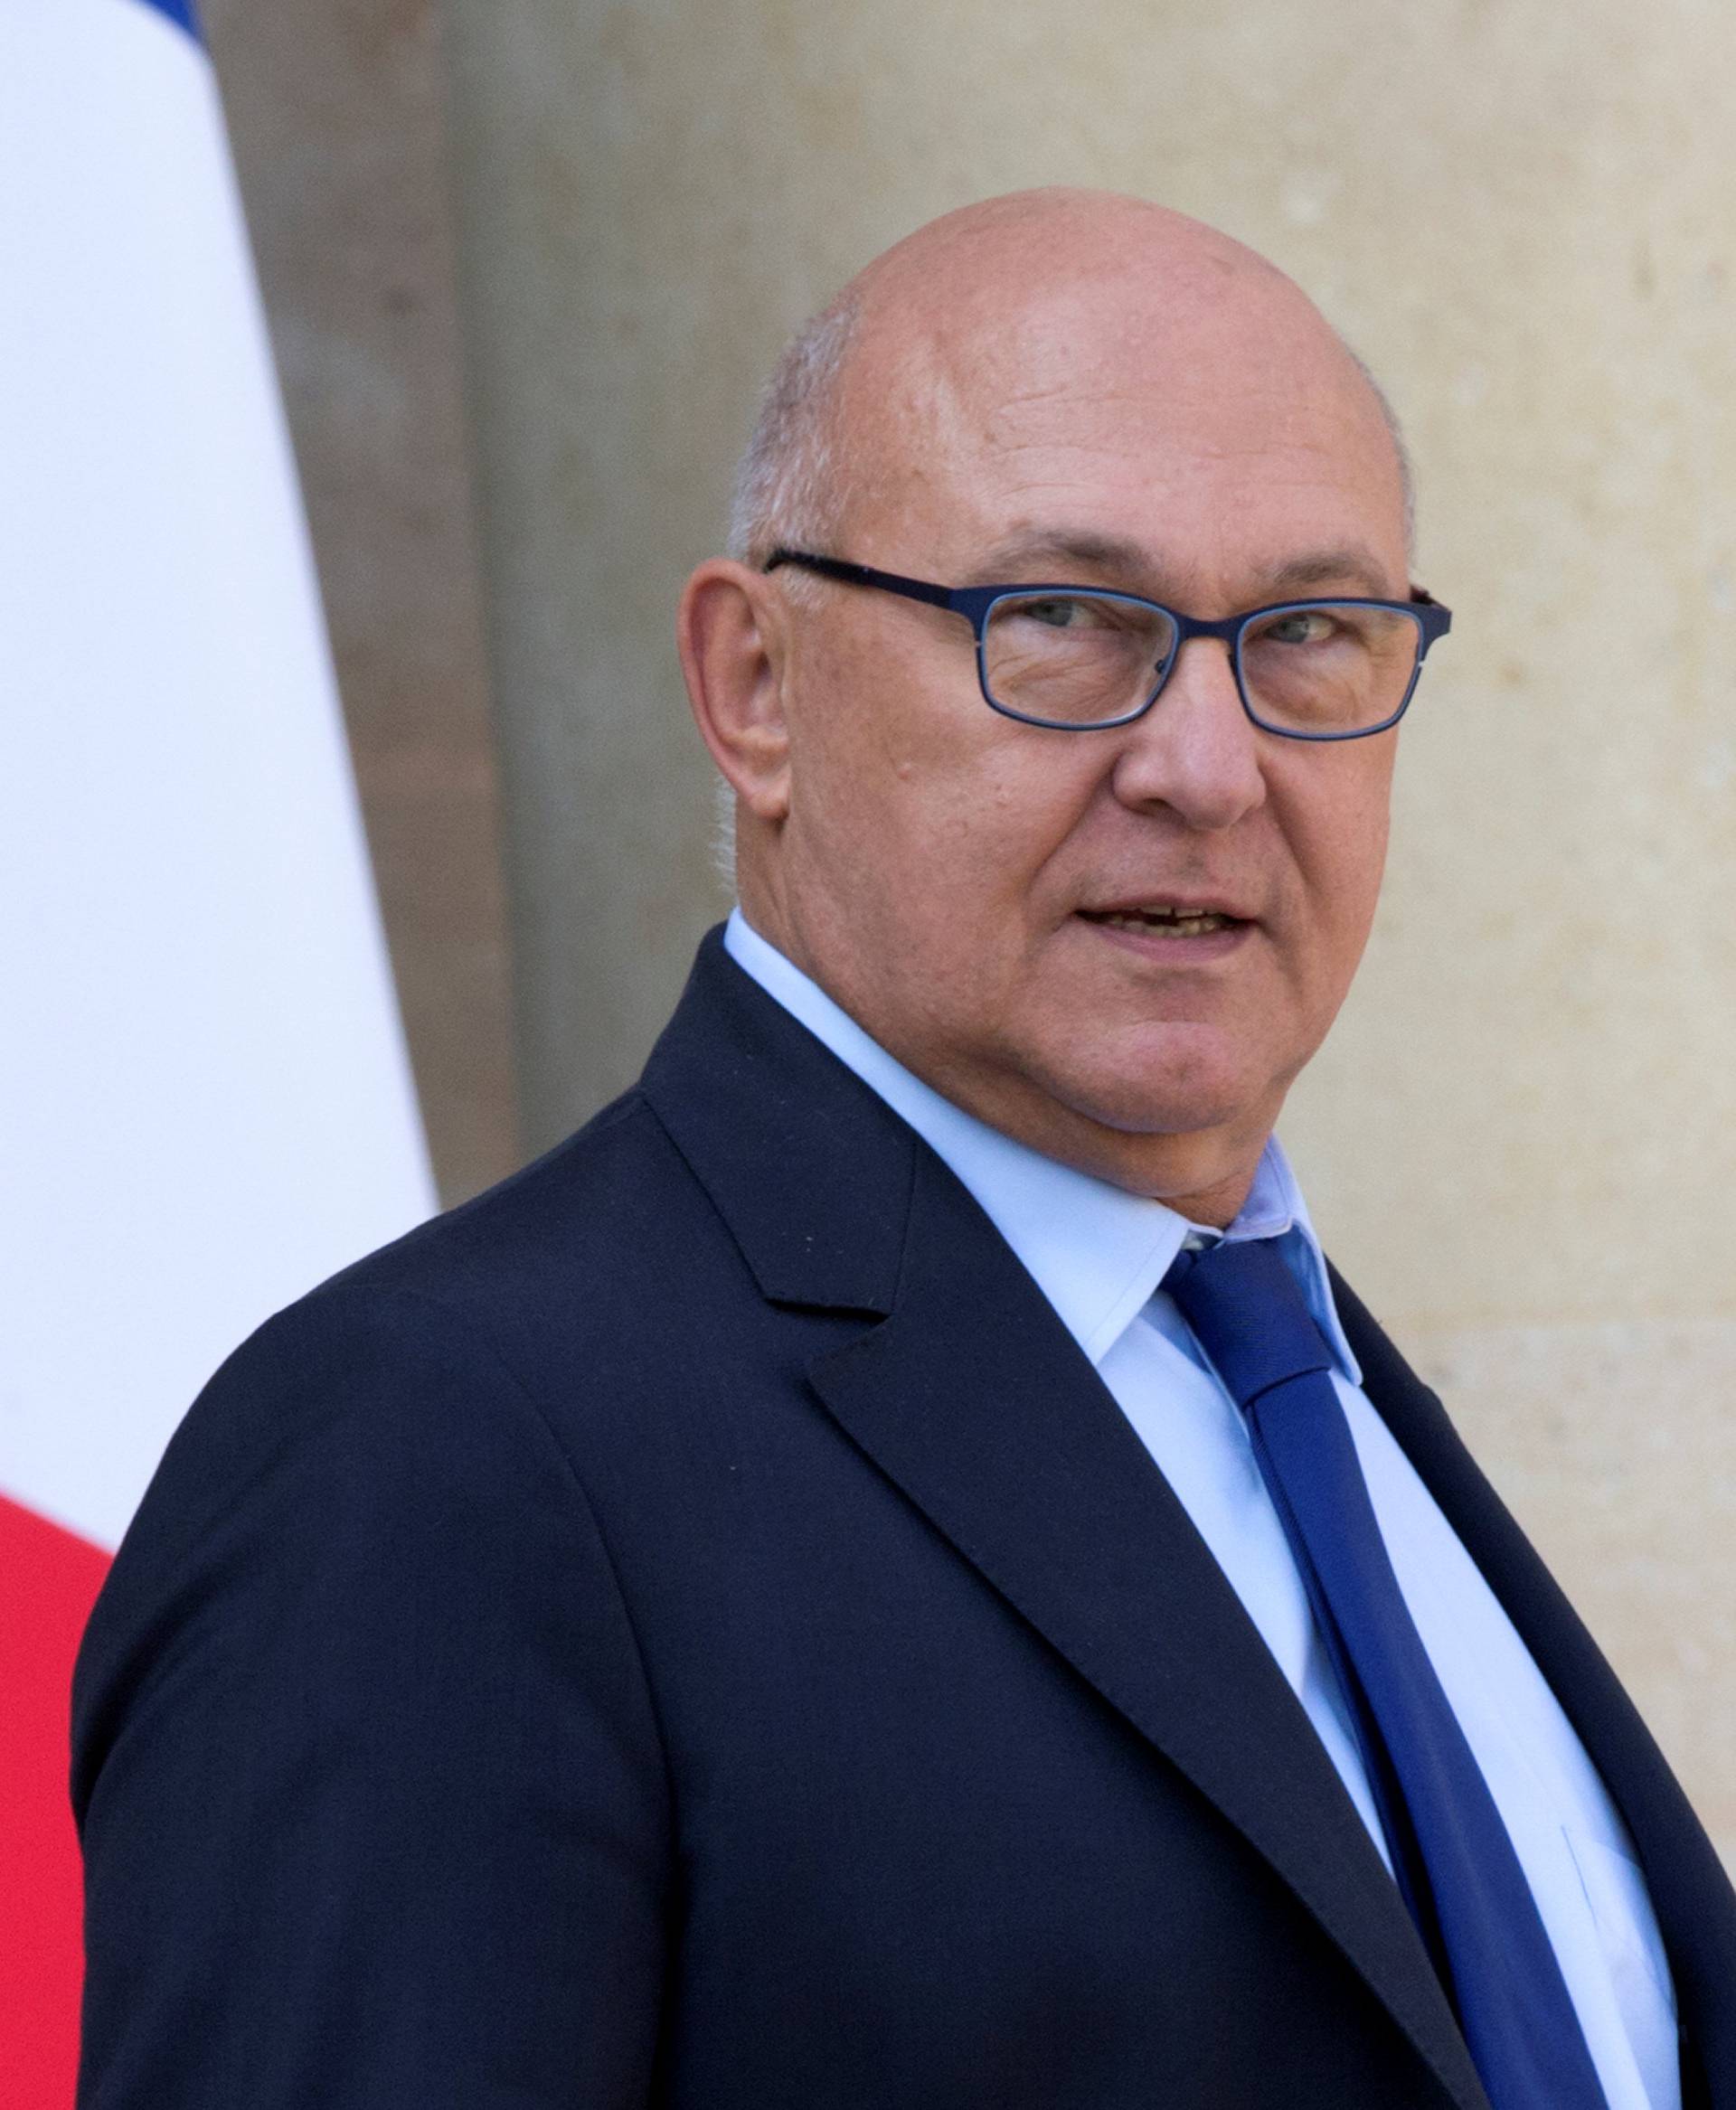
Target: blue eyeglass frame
{"x":977,"y":604}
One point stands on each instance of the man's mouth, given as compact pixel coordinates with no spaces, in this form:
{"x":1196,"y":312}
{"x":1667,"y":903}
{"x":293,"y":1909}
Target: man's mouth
{"x":1163,"y":919}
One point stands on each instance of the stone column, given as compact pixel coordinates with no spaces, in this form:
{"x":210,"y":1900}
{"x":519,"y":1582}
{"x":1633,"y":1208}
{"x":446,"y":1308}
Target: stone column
{"x":335,"y":111}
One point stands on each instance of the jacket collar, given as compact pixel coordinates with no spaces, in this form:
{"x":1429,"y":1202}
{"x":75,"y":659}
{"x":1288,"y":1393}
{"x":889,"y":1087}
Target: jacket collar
{"x":810,"y":1170}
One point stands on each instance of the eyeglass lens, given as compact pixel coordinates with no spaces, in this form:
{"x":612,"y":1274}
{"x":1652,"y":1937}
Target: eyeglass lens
{"x":1086,"y":659}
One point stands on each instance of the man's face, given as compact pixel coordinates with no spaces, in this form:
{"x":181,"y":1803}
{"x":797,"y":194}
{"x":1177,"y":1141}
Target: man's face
{"x":971,"y":888}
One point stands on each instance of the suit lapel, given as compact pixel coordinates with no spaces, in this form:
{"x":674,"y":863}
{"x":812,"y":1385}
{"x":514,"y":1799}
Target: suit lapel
{"x":1691,"y":1894}
{"x":973,"y":1399}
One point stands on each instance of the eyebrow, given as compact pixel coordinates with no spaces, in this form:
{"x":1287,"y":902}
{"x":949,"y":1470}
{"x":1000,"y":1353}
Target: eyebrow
{"x":1350,"y":565}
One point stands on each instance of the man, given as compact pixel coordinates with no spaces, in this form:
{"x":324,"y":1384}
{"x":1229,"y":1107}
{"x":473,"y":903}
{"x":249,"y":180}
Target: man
{"x":887,"y":1571}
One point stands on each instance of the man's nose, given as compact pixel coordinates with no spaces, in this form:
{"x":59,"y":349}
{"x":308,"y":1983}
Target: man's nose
{"x":1195,"y":750}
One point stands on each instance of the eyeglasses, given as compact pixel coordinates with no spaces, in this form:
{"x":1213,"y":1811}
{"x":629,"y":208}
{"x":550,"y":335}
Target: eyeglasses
{"x":1080,"y":659}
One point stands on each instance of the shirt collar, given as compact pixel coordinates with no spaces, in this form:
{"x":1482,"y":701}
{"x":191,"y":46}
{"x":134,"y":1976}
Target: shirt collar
{"x":1097,"y":1252}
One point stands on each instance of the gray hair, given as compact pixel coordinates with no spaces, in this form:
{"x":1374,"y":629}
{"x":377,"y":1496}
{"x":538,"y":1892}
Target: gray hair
{"x":788,"y":486}
{"x":1395,"y":433}
{"x":788,"y":489}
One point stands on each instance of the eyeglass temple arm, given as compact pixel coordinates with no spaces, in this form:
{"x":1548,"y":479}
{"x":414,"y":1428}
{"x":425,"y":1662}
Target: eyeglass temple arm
{"x":915,"y":589}
{"x":1436,"y":620}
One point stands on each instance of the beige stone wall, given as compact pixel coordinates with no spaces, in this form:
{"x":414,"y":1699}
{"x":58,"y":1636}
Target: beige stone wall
{"x":1522,"y":1141}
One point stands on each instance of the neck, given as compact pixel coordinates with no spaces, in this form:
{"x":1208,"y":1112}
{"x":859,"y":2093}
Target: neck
{"x":1203,"y":1175}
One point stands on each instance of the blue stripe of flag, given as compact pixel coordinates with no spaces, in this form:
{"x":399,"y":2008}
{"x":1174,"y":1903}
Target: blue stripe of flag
{"x":179,"y":11}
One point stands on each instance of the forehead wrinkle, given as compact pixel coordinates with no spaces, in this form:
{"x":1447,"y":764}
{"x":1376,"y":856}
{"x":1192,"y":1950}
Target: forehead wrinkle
{"x":1351,"y":564}
{"x":951,"y":389}
{"x":1115,"y":555}
{"x":1126,"y":564}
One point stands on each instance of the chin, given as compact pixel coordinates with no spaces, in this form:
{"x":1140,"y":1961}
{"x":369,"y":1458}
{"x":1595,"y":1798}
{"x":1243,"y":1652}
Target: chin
{"x":1192,"y":1081}
{"x":1166,"y":1114}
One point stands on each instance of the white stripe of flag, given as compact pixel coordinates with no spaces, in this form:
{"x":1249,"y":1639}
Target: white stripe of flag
{"x":204,"y":1101}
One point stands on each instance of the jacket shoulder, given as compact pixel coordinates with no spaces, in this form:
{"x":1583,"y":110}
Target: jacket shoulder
{"x":367,"y":1587}
{"x":468,"y":1353}
{"x":602,"y":1203}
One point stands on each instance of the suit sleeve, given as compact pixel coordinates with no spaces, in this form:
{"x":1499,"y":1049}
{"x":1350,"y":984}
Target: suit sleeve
{"x":373,"y":1800}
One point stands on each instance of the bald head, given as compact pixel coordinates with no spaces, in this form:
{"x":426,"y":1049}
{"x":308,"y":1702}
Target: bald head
{"x":966,"y":306}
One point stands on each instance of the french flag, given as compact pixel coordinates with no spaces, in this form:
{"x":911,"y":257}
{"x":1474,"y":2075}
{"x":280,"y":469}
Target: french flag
{"x":204,"y":1101}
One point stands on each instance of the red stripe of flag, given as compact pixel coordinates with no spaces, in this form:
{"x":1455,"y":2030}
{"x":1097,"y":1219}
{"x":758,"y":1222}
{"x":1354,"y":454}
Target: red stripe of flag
{"x":48,"y":1579}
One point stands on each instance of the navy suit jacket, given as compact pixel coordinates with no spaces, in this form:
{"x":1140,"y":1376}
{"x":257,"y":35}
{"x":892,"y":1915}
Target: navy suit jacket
{"x":690,"y":1629}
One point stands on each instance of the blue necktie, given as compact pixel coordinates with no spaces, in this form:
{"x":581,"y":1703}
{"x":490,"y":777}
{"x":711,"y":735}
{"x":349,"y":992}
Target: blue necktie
{"x":1454,"y":1860}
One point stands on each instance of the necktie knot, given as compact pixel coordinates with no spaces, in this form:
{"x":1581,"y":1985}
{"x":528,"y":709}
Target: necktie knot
{"x":1248,"y":1315}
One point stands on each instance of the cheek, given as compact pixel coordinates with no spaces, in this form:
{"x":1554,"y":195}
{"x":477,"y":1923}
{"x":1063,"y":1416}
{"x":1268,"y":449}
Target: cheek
{"x":1338,"y":851}
{"x":933,"y":801}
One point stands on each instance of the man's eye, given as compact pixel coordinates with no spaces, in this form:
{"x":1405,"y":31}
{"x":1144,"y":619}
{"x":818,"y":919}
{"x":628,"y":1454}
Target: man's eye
{"x":1298,"y":626}
{"x":1058,"y":613}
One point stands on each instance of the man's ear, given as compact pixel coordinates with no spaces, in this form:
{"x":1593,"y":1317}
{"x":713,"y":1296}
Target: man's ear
{"x":730,"y":632}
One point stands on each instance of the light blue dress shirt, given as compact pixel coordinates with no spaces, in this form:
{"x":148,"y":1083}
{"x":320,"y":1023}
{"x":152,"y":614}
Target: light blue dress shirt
{"x":1098,"y":1255}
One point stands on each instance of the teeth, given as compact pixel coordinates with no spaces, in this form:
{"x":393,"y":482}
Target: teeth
{"x":1171,"y":920}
